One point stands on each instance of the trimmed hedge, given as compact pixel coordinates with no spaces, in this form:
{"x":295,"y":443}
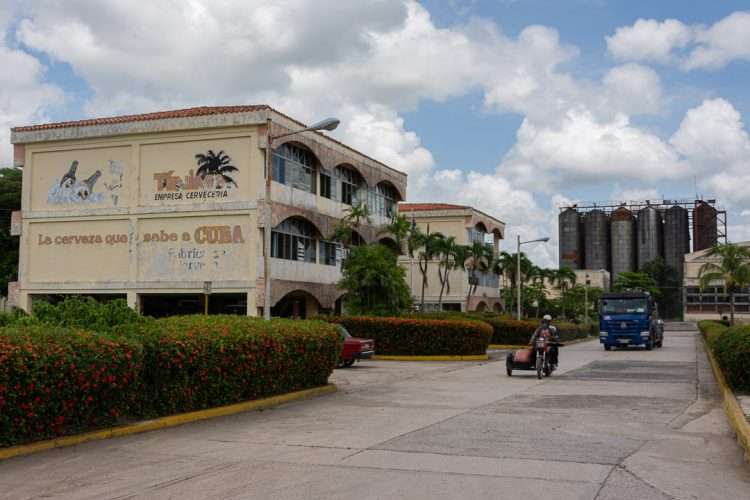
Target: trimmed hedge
{"x":711,"y":330}
{"x":55,"y":381}
{"x":420,"y":337}
{"x":508,"y":331}
{"x":196,"y":362}
{"x":732,"y":349}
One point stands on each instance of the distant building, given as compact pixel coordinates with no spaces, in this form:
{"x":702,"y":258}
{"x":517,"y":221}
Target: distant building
{"x":467,"y":225}
{"x":155,"y":208}
{"x":711,"y":302}
{"x":597,"y":278}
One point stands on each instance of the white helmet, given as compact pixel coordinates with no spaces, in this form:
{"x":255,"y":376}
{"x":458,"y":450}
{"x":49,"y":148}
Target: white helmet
{"x":547,"y":317}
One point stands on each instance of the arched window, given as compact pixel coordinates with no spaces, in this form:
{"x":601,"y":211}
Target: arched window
{"x":295,"y":167}
{"x":294,"y":239}
{"x":478,"y":234}
{"x":384,"y":200}
{"x":352,"y":185}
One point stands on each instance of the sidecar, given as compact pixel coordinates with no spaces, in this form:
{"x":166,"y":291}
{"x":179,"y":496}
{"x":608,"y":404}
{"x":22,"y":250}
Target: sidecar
{"x":521,"y":359}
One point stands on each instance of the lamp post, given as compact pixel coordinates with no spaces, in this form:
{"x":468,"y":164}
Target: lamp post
{"x":518,"y":268}
{"x":327,"y":124}
{"x":586,"y":299}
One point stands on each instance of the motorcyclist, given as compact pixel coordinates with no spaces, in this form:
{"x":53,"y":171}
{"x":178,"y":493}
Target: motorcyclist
{"x":554,"y":338}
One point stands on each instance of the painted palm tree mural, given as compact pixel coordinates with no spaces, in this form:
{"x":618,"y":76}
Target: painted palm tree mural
{"x":218,"y":167}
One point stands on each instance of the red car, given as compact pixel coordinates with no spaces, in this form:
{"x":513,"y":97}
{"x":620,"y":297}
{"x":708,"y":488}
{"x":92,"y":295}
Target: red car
{"x":354,"y":348}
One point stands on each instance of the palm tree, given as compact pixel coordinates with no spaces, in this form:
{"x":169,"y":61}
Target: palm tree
{"x":215,"y":164}
{"x":562,"y":279}
{"x":400,"y":228}
{"x":479,"y":257}
{"x":449,"y":254}
{"x":354,"y":217}
{"x":428,"y":245}
{"x":732,"y":267}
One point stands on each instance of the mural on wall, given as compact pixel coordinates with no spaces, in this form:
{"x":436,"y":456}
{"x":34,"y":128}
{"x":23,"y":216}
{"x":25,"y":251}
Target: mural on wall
{"x":74,"y":188}
{"x":212,"y":179}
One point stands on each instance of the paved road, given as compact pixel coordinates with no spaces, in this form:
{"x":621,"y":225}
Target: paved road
{"x":618,"y":425}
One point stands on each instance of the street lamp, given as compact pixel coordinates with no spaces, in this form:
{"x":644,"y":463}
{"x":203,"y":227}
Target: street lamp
{"x":586,"y":299}
{"x":518,"y":267}
{"x":327,"y":124}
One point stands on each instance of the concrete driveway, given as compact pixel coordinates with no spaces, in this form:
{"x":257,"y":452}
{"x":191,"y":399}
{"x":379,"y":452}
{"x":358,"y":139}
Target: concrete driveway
{"x":617,"y":425}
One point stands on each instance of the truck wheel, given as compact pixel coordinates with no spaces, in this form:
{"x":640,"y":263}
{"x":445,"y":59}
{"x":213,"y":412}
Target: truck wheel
{"x":607,"y":347}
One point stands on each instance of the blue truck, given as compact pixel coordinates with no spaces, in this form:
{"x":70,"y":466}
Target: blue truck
{"x":629,"y":319}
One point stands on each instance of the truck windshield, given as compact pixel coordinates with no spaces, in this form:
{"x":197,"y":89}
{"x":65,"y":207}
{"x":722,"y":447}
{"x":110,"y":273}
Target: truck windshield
{"x":624,"y":306}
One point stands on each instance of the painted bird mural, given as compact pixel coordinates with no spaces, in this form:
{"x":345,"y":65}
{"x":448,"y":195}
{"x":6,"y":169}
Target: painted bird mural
{"x":68,"y":180}
{"x":86,"y":187}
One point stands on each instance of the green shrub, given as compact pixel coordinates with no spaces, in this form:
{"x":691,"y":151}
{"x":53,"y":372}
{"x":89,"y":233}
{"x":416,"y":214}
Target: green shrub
{"x":55,"y":381}
{"x":420,"y":337}
{"x":732,"y":349}
{"x":5,"y":319}
{"x":514,"y":332}
{"x":85,"y":313}
{"x":196,"y":362}
{"x":711,"y":330}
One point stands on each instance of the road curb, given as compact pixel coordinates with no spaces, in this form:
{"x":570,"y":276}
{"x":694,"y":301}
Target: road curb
{"x":732,"y":407}
{"x":513,"y":347}
{"x":164,"y":422}
{"x":474,"y":357}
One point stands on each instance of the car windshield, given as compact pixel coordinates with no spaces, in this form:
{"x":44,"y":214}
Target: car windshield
{"x":344,"y":332}
{"x":624,"y":306}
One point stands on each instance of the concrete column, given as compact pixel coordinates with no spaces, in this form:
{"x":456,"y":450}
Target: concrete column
{"x":134,"y":301}
{"x":252,"y":308}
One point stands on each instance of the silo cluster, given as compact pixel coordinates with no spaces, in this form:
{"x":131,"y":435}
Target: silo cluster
{"x":626,"y":238}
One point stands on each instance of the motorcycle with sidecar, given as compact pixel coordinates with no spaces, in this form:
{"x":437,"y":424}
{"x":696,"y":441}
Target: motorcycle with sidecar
{"x":536,"y":357}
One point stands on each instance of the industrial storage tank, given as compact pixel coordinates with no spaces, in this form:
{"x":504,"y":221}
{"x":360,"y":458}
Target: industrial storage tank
{"x":650,"y":236}
{"x":596,"y":239}
{"x":705,"y":228}
{"x":676,"y":237}
{"x":571,"y":239}
{"x":622,"y":229}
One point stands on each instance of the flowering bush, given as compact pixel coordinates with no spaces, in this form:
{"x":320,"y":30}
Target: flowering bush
{"x":196,"y":362}
{"x":420,"y":337}
{"x":55,"y":381}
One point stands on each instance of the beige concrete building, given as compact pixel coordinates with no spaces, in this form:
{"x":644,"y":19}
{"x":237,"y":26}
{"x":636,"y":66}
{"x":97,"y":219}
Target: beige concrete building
{"x":155,"y":207}
{"x":467,"y":225}
{"x":597,"y":278}
{"x":711,"y":302}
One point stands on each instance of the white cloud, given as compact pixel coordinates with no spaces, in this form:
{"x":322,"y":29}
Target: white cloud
{"x":369,"y":63}
{"x":690,"y":47}
{"x":649,"y":40}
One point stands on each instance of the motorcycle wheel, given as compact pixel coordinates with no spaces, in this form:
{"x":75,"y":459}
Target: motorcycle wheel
{"x":650,"y":344}
{"x":547,"y":369}
{"x":539,"y":365}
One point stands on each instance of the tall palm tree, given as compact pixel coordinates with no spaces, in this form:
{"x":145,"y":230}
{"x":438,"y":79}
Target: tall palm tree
{"x":354,"y":217}
{"x":562,"y":279}
{"x":215,"y":165}
{"x":449,"y":256}
{"x":732,"y":268}
{"x":399,"y":228}
{"x":428,"y":245}
{"x":479,"y":258}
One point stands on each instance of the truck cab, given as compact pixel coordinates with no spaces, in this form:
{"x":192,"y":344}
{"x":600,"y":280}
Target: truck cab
{"x":629,"y":319}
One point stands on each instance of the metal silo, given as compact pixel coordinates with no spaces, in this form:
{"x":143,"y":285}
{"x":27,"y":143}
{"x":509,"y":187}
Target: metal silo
{"x":571,"y":239}
{"x":650,"y":236}
{"x":622,"y":229}
{"x":596,"y":239}
{"x":676,"y":237}
{"x":705,"y":229}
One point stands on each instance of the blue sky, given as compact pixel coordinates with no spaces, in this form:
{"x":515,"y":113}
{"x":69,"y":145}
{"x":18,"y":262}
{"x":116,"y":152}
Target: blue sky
{"x":514,"y":106}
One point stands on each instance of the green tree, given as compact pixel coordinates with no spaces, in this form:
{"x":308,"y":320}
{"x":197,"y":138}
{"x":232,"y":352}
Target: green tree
{"x":427,"y":244}
{"x":479,"y":255}
{"x":732,"y":268}
{"x":400,"y":228}
{"x":449,"y":254}
{"x":374,"y":282}
{"x":354,"y":217}
{"x":562,"y":279}
{"x":668,"y":282}
{"x":10,"y":200}
{"x":636,"y":281}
